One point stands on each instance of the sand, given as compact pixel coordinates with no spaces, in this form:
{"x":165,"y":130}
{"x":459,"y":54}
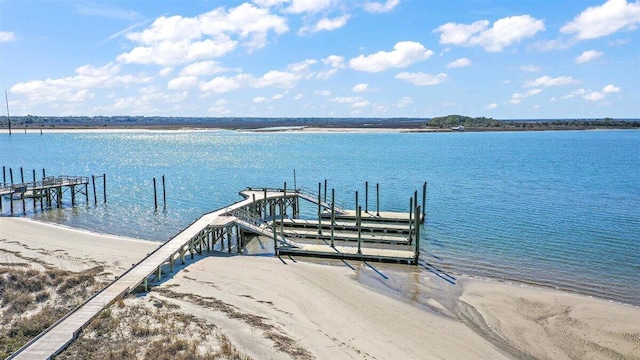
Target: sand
{"x":356,"y":311}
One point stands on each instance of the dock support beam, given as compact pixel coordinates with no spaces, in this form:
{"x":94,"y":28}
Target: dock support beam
{"x":417,"y":219}
{"x":424,"y":200}
{"x":319,"y":208}
{"x":366,"y":196}
{"x":358,"y":219}
{"x":333,"y":214}
{"x":273,"y":228}
{"x":284,"y":199}
{"x":411,"y":208}
{"x":377,"y":199}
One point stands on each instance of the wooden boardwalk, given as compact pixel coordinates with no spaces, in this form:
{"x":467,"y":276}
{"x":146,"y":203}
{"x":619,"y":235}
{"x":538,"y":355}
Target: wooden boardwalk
{"x":255,"y":214}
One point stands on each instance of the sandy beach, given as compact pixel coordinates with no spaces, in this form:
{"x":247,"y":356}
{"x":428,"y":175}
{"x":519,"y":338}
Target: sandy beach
{"x":266,"y":307}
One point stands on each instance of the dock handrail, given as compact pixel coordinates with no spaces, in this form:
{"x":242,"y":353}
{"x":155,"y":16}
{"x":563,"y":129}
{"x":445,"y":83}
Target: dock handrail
{"x":312,"y":196}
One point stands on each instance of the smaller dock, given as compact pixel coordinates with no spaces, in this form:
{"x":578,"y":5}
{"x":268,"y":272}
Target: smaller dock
{"x":48,"y":192}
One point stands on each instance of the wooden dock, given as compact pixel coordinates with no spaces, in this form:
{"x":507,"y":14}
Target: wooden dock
{"x":48,"y":192}
{"x":228,"y":229}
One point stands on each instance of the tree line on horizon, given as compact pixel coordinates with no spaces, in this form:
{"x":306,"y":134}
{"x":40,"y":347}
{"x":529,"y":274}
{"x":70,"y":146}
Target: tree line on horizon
{"x":452,"y":121}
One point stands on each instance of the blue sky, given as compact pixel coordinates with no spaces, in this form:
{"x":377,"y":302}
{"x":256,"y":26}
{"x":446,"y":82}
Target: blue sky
{"x":322,"y":58}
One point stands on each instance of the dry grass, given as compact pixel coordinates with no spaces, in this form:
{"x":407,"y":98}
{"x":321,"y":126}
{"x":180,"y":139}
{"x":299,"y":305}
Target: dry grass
{"x":32,"y":300}
{"x":147,"y":328}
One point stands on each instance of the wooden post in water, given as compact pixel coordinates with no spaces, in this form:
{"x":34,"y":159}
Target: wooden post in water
{"x":284,"y":199}
{"x":33,"y":190}
{"x":4,"y":175}
{"x":104,"y":186}
{"x":95,"y":197}
{"x":377,"y":199}
{"x":359,"y":221}
{"x":357,"y":204}
{"x":254,"y":209}
{"x":319,"y":209}
{"x":265,"y":204}
{"x":155,"y":195}
{"x":424,"y":200}
{"x":164,"y":194}
{"x":333,"y":213}
{"x":11,"y":195}
{"x":417,"y":226}
{"x":273,"y":228}
{"x":21,"y":176}
{"x":295,"y":185}
{"x":325,"y":190}
{"x":410,"y":217}
{"x":282,"y":219}
{"x":366,"y":196}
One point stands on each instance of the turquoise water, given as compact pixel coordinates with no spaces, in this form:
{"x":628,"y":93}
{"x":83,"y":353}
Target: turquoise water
{"x":552,"y":208}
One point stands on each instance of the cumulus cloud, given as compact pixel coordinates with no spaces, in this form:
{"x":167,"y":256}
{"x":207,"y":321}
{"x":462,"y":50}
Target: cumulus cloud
{"x":259,"y":99}
{"x":588,"y":56}
{"x":183,"y":82}
{"x":325,"y":24}
{"x":516,"y":98}
{"x":223,"y":84}
{"x":376,"y":7}
{"x":546,"y":81}
{"x":201,"y":68}
{"x":334,"y":61}
{"x":280,"y":79}
{"x":308,"y":6}
{"x":491,"y":106}
{"x":593,"y":96}
{"x":354,"y":101}
{"x":77,"y":87}
{"x":402,"y":103}
{"x":220,"y":107}
{"x":403,"y":54}
{"x":603,"y":20}
{"x":504,"y":32}
{"x":360,"y":87}
{"x":176,"y":39}
{"x":422,"y":79}
{"x":462,"y":62}
{"x":610,"y":89}
{"x":322,"y":92}
{"x":7,"y":36}
{"x":529,"y":68}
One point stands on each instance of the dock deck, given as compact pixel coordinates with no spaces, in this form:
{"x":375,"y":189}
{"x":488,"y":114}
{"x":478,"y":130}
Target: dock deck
{"x":255,"y":214}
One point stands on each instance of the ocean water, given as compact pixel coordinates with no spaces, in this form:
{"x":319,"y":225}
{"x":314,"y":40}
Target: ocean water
{"x":558,"y":208}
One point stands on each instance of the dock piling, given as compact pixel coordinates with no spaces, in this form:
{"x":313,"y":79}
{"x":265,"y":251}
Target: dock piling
{"x":424,"y":200}
{"x":359,"y":220}
{"x":155,"y":195}
{"x":366,"y":197}
{"x":377,"y":199}
{"x":164,"y":194}
{"x":284,"y":198}
{"x":410,"y":218}
{"x":21,"y":176}
{"x":319,"y":208}
{"x":95,"y":197}
{"x":104,"y":186}
{"x":417,"y":226}
{"x":273,"y":228}
{"x":333,"y":215}
{"x":325,"y":190}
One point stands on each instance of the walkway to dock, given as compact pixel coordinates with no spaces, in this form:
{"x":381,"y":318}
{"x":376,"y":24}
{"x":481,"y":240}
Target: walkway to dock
{"x":256,"y":214}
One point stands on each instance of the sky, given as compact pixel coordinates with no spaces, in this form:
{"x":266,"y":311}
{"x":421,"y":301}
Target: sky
{"x":505,"y":59}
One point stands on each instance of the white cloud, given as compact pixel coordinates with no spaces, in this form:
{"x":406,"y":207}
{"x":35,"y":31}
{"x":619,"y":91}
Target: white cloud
{"x":322,"y":92}
{"x":302,"y":66}
{"x":76,"y":88}
{"x":422,"y":79}
{"x":324,"y":75}
{"x":201,"y":68}
{"x":308,"y":6}
{"x":588,"y":56}
{"x":360,"y":87}
{"x":165,"y":71}
{"x":404,"y":102}
{"x":281,"y":79}
{"x":530,"y":68}
{"x":404,"y":54}
{"x":516,"y":98}
{"x":504,"y":32}
{"x":259,"y":99}
{"x":223,"y":84}
{"x":603,"y":20}
{"x":298,"y":97}
{"x":491,"y":106}
{"x":362,"y":103}
{"x":462,"y":62}
{"x":546,"y":81}
{"x":594,"y":96}
{"x":176,"y":39}
{"x":7,"y":36}
{"x":277,"y":97}
{"x":334,"y":61}
{"x":220,"y":107}
{"x":610,"y":89}
{"x":325,"y":24}
{"x":354,"y":101}
{"x":376,"y":7}
{"x":183,"y":82}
